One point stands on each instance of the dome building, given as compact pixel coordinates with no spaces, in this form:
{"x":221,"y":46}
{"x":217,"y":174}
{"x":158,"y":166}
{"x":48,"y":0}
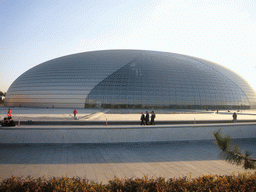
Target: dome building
{"x":130,"y":79}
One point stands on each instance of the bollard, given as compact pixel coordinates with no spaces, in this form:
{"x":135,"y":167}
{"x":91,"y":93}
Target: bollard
{"x":19,"y":122}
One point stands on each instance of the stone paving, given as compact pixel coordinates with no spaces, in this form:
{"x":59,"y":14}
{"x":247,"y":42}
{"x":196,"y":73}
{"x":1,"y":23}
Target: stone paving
{"x":99,"y":162}
{"x":102,"y":162}
{"x":57,"y":114}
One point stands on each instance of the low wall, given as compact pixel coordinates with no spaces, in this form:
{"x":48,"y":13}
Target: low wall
{"x":119,"y":134}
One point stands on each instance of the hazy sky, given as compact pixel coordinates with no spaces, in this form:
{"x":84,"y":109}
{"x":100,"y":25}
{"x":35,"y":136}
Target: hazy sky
{"x":33,"y":31}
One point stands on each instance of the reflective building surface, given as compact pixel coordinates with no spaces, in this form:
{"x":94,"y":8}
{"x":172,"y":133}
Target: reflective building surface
{"x":130,"y":79}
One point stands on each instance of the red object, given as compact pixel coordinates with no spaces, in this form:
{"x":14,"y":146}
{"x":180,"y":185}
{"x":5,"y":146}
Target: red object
{"x":9,"y":114}
{"x":75,"y":112}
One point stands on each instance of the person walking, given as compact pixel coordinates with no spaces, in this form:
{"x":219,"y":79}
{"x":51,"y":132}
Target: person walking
{"x":142,"y":119}
{"x":9,"y":114}
{"x":75,"y":112}
{"x":153,"y":116}
{"x":147,"y":118}
{"x":234,"y":117}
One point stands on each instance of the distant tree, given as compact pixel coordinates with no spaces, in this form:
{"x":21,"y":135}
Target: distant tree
{"x":233,"y":155}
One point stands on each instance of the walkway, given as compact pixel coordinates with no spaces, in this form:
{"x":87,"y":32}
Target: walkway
{"x":102,"y":162}
{"x":99,"y":162}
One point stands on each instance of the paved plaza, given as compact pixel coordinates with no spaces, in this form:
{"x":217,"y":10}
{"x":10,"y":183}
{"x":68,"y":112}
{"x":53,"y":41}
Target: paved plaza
{"x":99,"y":162}
{"x":102,"y":162}
{"x":58,"y":114}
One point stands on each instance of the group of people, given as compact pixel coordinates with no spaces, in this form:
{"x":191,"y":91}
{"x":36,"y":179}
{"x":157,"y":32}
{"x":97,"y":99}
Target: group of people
{"x":8,"y":121}
{"x":145,"y":118}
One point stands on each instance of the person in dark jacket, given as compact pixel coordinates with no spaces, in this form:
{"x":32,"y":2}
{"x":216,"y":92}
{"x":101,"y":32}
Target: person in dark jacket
{"x":147,"y":118}
{"x":4,"y":122}
{"x":142,"y":119}
{"x":153,"y":116}
{"x":11,"y":122}
{"x":234,"y":117}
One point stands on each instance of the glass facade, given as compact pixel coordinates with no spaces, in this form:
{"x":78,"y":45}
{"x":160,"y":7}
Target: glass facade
{"x":130,"y":79}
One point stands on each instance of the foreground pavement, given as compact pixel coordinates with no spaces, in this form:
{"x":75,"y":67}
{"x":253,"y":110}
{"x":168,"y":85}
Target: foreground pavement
{"x":101,"y":163}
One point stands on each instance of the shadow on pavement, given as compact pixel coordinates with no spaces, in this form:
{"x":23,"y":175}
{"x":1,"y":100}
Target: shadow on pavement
{"x":115,"y":153}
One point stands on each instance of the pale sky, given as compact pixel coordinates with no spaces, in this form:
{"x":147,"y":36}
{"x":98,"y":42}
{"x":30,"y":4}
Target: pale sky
{"x":33,"y":31}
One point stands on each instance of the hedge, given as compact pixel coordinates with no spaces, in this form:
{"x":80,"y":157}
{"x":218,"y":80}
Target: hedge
{"x":240,"y":182}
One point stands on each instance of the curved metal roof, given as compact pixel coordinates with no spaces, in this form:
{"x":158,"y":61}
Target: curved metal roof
{"x":131,"y":78}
